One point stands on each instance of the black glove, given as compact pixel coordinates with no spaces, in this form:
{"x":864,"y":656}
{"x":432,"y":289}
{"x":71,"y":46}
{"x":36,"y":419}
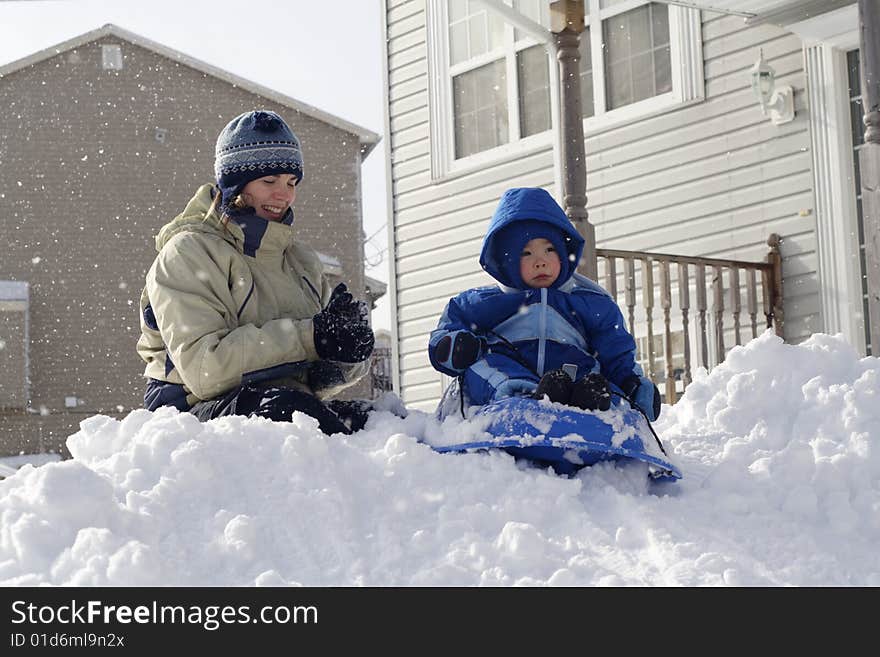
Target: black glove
{"x":340,"y":331}
{"x":556,"y":385}
{"x":354,"y":413}
{"x":459,"y":350}
{"x":342,"y":303}
{"x":591,"y":393}
{"x":643,"y":393}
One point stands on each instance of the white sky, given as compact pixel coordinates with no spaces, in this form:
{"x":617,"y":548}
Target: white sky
{"x":326,"y":54}
{"x":779,"y":448}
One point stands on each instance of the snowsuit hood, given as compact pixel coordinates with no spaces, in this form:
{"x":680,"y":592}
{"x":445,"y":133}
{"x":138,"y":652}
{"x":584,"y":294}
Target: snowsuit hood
{"x":523,"y":214}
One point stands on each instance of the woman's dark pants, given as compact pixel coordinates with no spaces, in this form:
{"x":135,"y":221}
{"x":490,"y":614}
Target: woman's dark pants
{"x":274,"y":403}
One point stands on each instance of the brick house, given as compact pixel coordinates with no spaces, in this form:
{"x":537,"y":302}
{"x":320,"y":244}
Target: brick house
{"x":104,"y":138}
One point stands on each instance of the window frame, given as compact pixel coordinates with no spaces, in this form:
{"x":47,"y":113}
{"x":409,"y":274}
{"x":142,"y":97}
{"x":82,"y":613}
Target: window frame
{"x":840,"y":278}
{"x":440,"y":75}
{"x":15,"y":298}
{"x":686,"y":65}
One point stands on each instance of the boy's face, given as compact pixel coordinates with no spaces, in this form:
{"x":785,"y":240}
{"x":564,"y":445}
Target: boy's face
{"x":539,"y":263}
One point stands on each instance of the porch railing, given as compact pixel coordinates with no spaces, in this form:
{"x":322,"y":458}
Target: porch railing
{"x":674,"y":281}
{"x":380,"y":371}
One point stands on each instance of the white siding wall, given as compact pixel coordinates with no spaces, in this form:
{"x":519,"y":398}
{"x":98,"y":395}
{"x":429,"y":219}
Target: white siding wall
{"x":711,"y":179}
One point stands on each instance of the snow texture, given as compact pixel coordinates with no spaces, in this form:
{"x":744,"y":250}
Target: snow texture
{"x":779,"y":446}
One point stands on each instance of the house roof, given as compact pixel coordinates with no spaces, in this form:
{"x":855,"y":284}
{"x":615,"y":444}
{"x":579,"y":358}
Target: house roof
{"x":366,"y":138}
{"x":376,"y":287}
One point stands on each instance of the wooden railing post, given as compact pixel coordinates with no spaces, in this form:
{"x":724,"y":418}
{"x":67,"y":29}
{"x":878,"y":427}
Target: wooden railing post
{"x":774,"y":258}
{"x":752,"y":300}
{"x":629,"y":285}
{"x":648,"y":303}
{"x":735,"y":303}
{"x":611,"y":276}
{"x":684,"y":303}
{"x":718,"y":311}
{"x":701,"y":309}
{"x":666,"y":304}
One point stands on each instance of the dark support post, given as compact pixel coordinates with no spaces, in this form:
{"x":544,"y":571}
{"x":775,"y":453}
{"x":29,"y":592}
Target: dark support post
{"x":774,"y":257}
{"x":869,"y":158}
{"x":567,"y":23}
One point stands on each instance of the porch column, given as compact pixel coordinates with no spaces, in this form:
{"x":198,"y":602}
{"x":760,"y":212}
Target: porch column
{"x":567,"y":23}
{"x":869,"y":157}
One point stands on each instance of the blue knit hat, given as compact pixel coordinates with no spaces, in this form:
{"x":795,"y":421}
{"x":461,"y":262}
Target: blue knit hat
{"x":253,"y":145}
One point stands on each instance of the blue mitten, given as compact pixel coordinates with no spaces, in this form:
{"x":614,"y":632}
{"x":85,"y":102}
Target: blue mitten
{"x":513,"y":387}
{"x":642,"y":391}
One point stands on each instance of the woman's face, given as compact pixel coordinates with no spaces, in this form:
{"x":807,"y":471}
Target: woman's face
{"x":270,"y":196}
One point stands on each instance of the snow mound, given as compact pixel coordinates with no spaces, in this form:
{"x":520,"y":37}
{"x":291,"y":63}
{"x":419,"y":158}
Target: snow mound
{"x":778,"y":445}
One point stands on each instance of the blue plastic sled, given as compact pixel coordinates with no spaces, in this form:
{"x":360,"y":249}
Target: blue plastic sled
{"x":568,"y":439}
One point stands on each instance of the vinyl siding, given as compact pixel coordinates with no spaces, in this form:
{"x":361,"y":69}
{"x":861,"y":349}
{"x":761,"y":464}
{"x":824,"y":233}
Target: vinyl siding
{"x":714,"y":178}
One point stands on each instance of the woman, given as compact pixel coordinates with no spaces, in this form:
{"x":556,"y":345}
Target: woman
{"x":237,"y":317}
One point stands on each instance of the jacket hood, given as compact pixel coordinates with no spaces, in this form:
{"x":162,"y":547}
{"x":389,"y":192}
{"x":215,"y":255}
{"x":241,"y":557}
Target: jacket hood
{"x":197,"y":218}
{"x":523,"y":214}
{"x":244,"y":230}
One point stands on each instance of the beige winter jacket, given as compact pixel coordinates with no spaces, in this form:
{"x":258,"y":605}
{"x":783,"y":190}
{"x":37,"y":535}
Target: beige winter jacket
{"x":213,"y":317}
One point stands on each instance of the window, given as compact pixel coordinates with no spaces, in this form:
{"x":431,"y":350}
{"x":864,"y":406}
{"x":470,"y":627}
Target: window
{"x":497,"y":77}
{"x":491,"y":83}
{"x":533,"y":77}
{"x":14,"y":297}
{"x":111,"y":57}
{"x":637,"y":55}
{"x":480,"y":109}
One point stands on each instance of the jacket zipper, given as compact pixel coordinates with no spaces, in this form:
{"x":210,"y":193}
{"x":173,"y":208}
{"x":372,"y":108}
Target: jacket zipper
{"x":314,"y":291}
{"x":542,"y":335}
{"x":246,"y":299}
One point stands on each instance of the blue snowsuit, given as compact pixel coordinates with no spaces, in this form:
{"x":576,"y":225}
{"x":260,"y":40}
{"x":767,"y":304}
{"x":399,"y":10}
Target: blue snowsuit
{"x":529,"y":331}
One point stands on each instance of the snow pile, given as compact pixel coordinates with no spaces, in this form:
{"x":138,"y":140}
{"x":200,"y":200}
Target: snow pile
{"x":780,"y":449}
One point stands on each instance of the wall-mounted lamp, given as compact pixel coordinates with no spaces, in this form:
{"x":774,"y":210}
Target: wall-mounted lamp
{"x":778,"y":102}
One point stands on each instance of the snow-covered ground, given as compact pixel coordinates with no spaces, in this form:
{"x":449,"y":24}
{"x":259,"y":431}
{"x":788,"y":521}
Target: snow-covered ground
{"x":779,"y":446}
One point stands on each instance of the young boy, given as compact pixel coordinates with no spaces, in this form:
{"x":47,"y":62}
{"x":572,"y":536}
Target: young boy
{"x":544,"y":330}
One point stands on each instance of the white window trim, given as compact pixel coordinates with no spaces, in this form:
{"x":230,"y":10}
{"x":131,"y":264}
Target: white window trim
{"x":840,"y":287}
{"x":15,"y":297}
{"x":685,"y":39}
{"x":443,"y":162}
